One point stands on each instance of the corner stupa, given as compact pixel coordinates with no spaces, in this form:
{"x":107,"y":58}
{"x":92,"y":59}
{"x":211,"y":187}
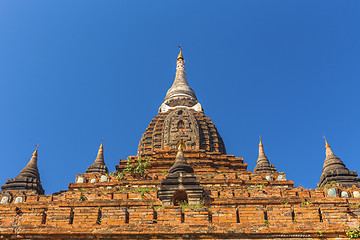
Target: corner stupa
{"x":28,"y":179}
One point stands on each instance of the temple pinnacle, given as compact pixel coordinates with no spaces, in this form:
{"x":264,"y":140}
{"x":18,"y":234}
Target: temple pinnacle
{"x":28,"y":178}
{"x":180,"y":54}
{"x":102,"y":141}
{"x":262,"y":163}
{"x":180,"y":94}
{"x":180,"y":164}
{"x":36,"y":150}
{"x":99,"y":164}
{"x":334,"y":170}
{"x":328,"y":148}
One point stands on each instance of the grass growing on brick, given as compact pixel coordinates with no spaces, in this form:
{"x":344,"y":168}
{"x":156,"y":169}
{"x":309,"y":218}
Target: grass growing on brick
{"x":353,"y":232}
{"x":199,"y":205}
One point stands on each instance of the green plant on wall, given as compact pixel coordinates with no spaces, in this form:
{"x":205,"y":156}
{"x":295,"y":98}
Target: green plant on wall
{"x":353,"y":232}
{"x":354,"y":205}
{"x":199,"y":205}
{"x":82,"y":196}
{"x":256,"y":186}
{"x":318,"y":233}
{"x":330,"y":184}
{"x":134,"y":168}
{"x":305,"y":203}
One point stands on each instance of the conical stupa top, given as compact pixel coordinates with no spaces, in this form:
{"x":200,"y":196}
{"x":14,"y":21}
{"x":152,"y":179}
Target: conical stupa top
{"x":331,"y":162}
{"x":180,"y":94}
{"x":180,"y":164}
{"x":31,"y":169}
{"x":261,"y":151}
{"x":99,"y":164}
{"x":28,"y":178}
{"x":262,"y":163}
{"x":335,"y":170}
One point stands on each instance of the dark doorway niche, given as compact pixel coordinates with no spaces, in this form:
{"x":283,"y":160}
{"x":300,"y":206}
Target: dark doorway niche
{"x":180,"y":197}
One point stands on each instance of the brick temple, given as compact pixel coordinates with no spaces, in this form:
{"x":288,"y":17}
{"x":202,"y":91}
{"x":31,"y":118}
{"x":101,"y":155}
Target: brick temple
{"x":182,"y":184}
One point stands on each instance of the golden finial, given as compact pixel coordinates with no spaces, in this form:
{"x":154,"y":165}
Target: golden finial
{"x":181,"y":145}
{"x":260,"y":143}
{"x":180,"y":54}
{"x":102,"y":141}
{"x":326,"y":143}
{"x":35,"y":152}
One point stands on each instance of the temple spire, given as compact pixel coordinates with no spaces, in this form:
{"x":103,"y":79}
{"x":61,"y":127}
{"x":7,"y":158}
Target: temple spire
{"x":335,"y":170}
{"x":31,"y":169}
{"x":28,"y":178}
{"x":180,"y":94}
{"x":263,"y":164}
{"x":99,"y":164}
{"x":327,"y":148}
{"x":180,"y":54}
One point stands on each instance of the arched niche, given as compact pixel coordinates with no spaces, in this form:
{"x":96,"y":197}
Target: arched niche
{"x":181,"y":124}
{"x":180,"y":197}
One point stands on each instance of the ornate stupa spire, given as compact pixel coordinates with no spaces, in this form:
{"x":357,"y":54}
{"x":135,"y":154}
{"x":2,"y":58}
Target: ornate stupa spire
{"x":263,"y":164}
{"x":28,"y":179}
{"x":180,"y":94}
{"x":99,"y":164}
{"x":334,"y":170}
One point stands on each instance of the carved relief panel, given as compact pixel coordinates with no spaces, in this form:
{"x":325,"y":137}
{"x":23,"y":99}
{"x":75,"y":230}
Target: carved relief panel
{"x":181,"y":124}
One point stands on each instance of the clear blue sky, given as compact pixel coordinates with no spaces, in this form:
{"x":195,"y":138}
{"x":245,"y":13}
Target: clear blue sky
{"x":72,"y":72}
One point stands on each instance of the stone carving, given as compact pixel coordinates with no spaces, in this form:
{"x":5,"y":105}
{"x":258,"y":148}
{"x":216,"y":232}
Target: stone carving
{"x":4,"y":199}
{"x":356,"y":194}
{"x":103,"y":178}
{"x":80,"y":180}
{"x":93,"y":180}
{"x":18,"y":200}
{"x":163,"y":132}
{"x":332,"y":192}
{"x":344,"y":194}
{"x":181,"y":124}
{"x":281,"y":177}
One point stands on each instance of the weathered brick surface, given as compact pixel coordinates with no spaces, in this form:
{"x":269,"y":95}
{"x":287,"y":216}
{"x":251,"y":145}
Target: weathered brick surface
{"x":113,"y":216}
{"x":169,"y":216}
{"x":251,"y":215}
{"x":237,"y":205}
{"x":141,"y":215}
{"x":85,"y":216}
{"x":58,"y":216}
{"x":280,"y":215}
